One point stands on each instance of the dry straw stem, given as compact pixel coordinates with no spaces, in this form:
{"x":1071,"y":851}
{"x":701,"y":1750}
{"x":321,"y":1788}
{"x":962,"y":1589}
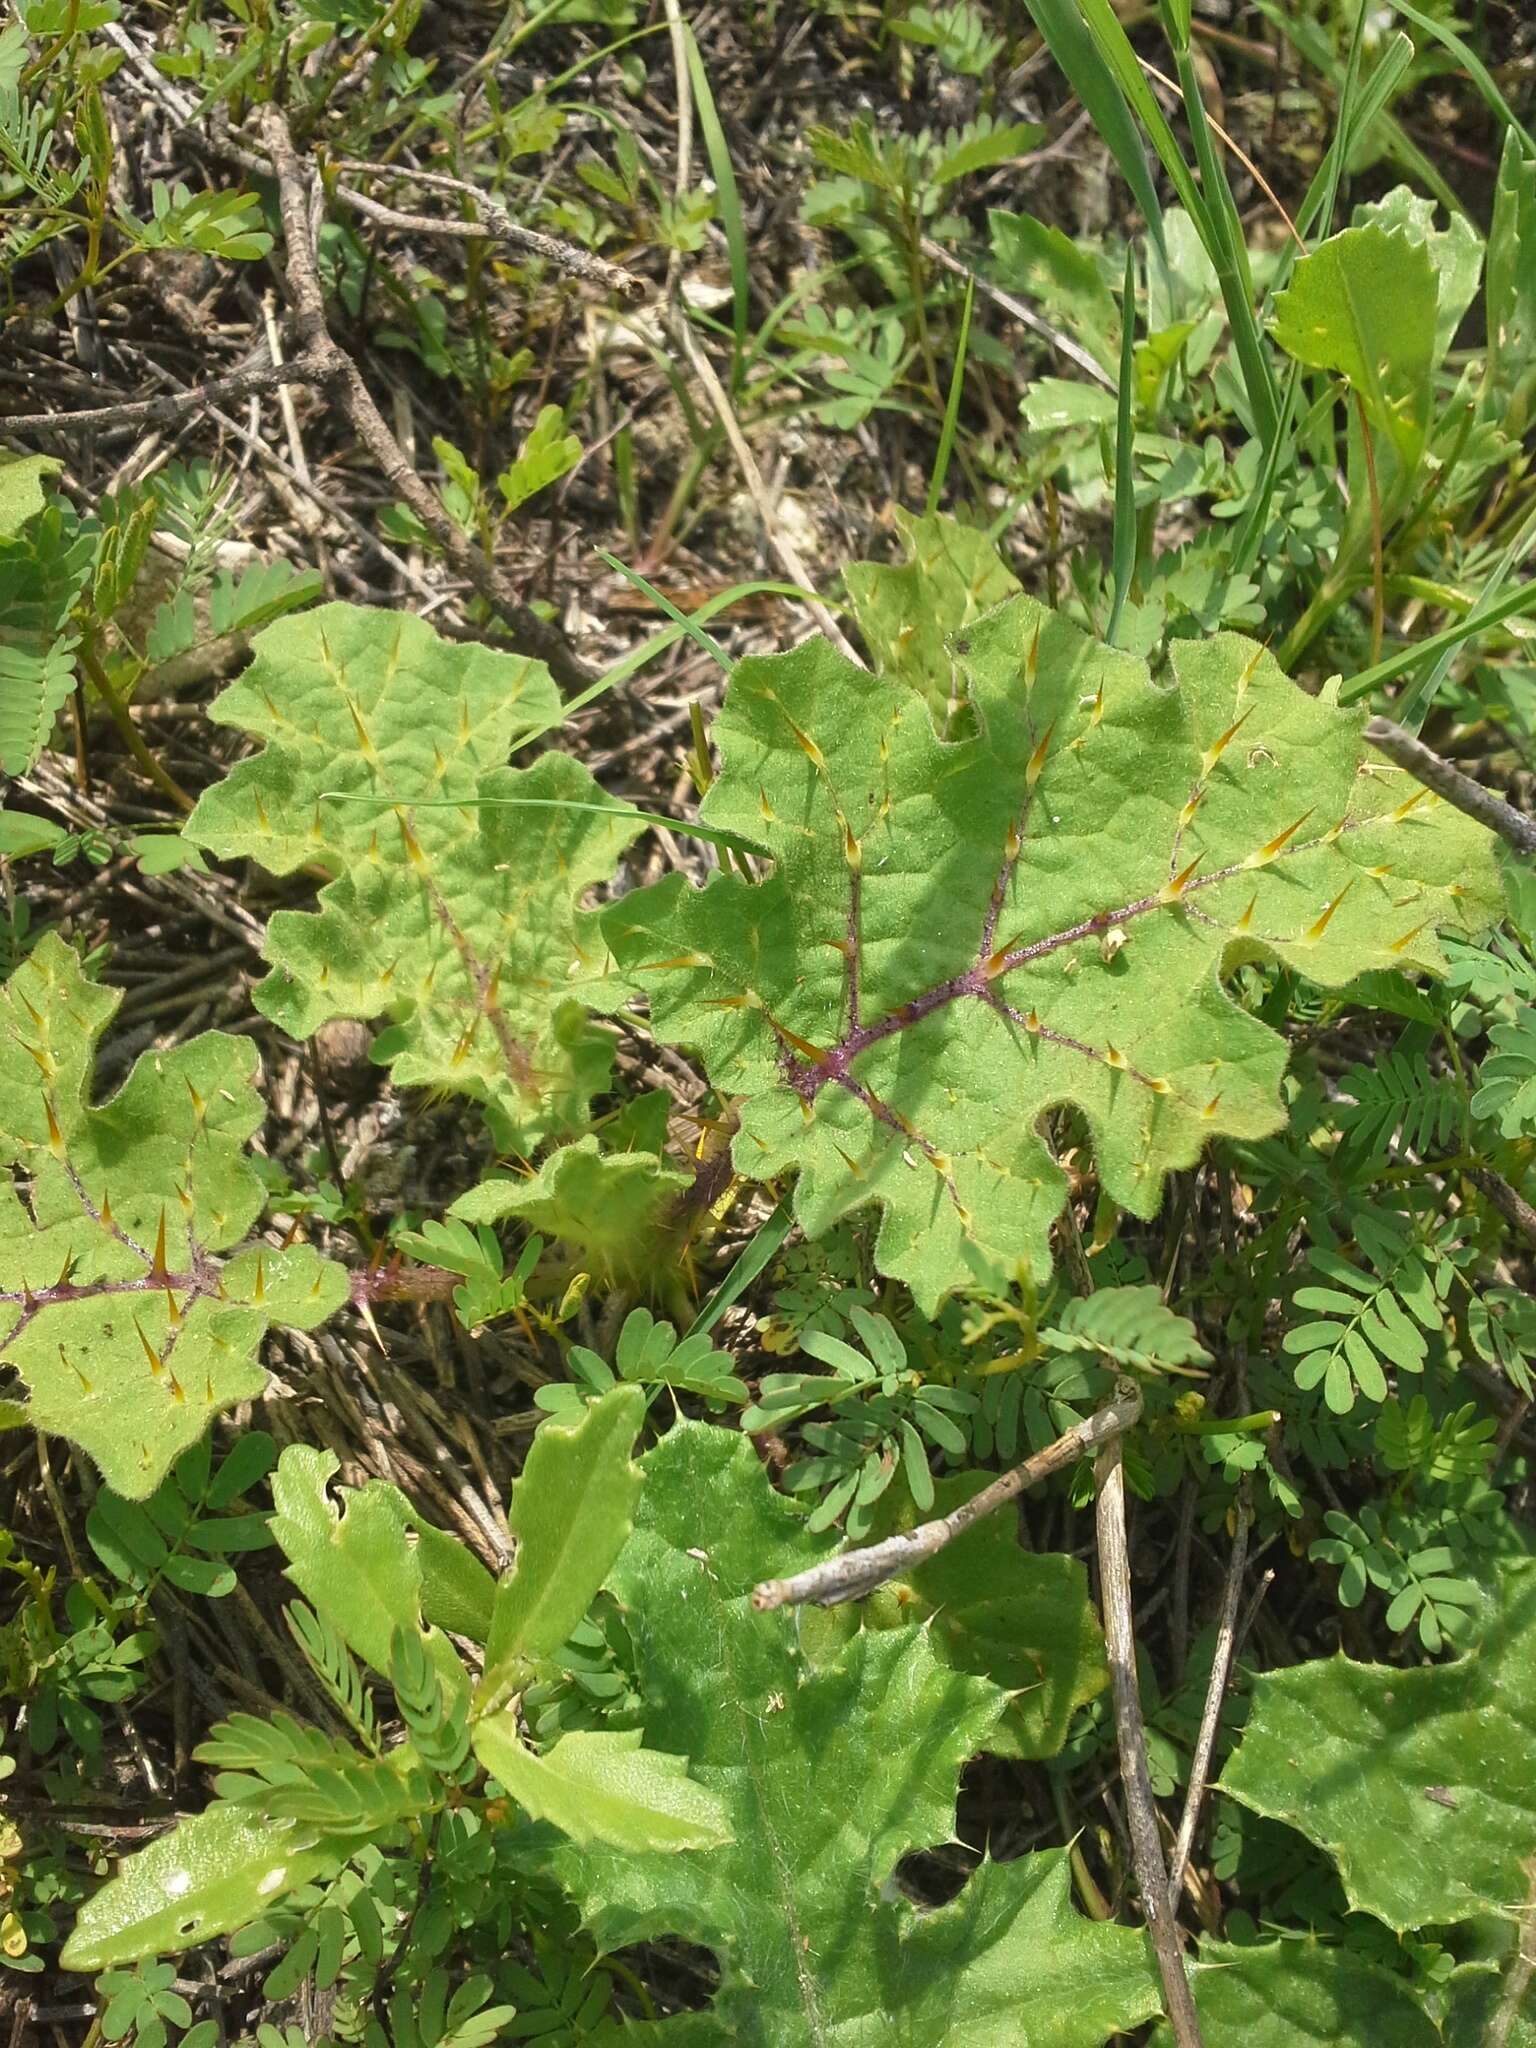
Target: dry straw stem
{"x":1131,"y":1739}
{"x":1210,"y":1719}
{"x":172,"y":406}
{"x":1446,"y":781}
{"x":497,"y":225}
{"x":687,"y":344}
{"x":853,"y":1573}
{"x":1025,"y":315}
{"x":534,"y":635}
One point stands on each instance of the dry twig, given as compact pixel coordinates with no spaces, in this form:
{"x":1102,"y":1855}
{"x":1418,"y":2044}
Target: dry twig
{"x":1131,"y":1739}
{"x":1447,"y":781}
{"x":318,"y":347}
{"x":853,"y":1573}
{"x":1215,"y":1693}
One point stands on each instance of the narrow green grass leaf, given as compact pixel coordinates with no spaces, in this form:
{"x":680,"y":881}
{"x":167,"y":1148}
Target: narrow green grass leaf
{"x":1096,"y":86}
{"x":952,"y":404}
{"x":729,"y":197}
{"x":1124,"y":547}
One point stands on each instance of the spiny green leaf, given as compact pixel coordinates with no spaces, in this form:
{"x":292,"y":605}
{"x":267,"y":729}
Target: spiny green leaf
{"x":459,"y":922}
{"x":603,"y":1787}
{"x":608,"y":1206}
{"x":572,"y":1510}
{"x":958,"y":936}
{"x":128,"y":1328}
{"x":908,"y":611}
{"x":1417,"y":1782}
{"x":828,"y":1776}
{"x":211,"y":1874}
{"x":1364,"y":304}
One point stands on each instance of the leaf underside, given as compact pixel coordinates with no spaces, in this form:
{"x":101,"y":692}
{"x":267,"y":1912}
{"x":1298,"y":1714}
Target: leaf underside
{"x":958,"y":936}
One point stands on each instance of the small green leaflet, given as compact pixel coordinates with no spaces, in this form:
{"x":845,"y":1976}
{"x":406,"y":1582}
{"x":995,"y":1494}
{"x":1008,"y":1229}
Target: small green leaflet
{"x":959,"y":936}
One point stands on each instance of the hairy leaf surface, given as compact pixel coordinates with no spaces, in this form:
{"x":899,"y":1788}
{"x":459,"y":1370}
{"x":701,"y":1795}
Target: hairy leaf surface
{"x":459,"y":921}
{"x":572,"y":1509}
{"x":1417,"y":1783}
{"x":608,"y":1206}
{"x":128,"y":1328}
{"x":1286,"y":1994}
{"x":956,"y":937}
{"x":602,"y":1786}
{"x":1020,"y":1618}
{"x":828,"y":1776}
{"x":213,"y":1873}
{"x":1364,"y":304}
{"x":353,"y":1560}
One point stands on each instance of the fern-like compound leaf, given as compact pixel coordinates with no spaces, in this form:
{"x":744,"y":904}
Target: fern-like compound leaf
{"x":117,"y":1308}
{"x":454,"y":905}
{"x":959,"y":936}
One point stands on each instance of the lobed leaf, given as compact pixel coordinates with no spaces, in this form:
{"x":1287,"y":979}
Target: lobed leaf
{"x":607,"y":1206}
{"x":355,"y":1562}
{"x":959,"y":936}
{"x":1416,"y":1782}
{"x":458,"y":920}
{"x":1020,"y":1618}
{"x":572,"y":1510}
{"x":1281,"y":1994}
{"x":908,"y":611}
{"x":1364,"y":304}
{"x":128,"y":1328}
{"x":827,"y":1775}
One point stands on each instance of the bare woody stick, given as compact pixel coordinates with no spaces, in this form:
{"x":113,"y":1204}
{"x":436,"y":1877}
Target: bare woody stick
{"x":1448,"y":781}
{"x":1210,"y":1719}
{"x":496,"y":226}
{"x":319,"y":347}
{"x":1131,"y":1739}
{"x":176,"y":405}
{"x":853,"y":1573}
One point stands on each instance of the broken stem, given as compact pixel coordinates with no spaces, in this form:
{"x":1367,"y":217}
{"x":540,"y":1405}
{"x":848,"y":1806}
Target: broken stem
{"x":853,"y":1573}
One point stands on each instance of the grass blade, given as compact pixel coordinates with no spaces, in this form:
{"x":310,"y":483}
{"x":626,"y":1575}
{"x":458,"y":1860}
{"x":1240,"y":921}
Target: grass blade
{"x":952,"y":406}
{"x":1094,"y":83}
{"x":1124,"y":554}
{"x":1510,"y":606}
{"x":730,"y":198}
{"x":1474,"y":67}
{"x":682,"y":626}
